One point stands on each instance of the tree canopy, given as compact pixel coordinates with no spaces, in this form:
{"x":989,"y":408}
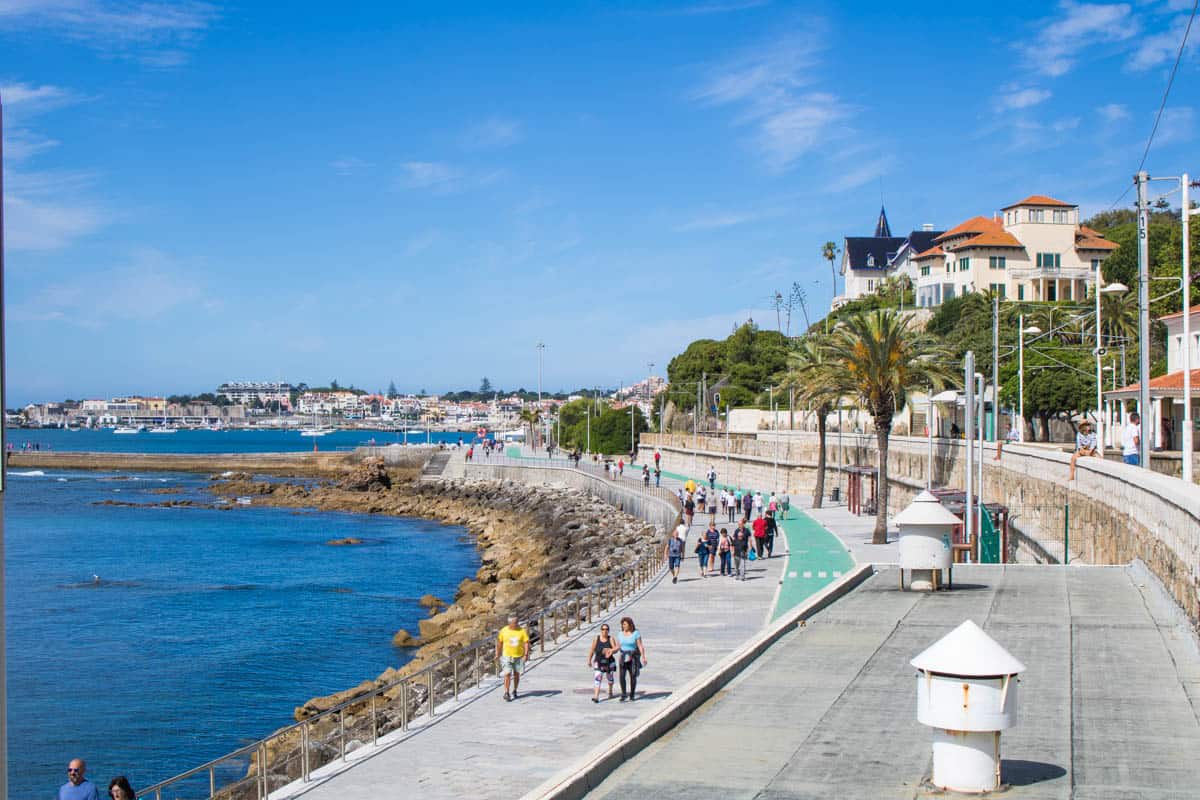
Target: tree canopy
{"x":739,"y":367}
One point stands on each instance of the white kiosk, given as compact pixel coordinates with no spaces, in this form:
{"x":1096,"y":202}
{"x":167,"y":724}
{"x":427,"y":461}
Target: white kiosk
{"x":926,"y":530}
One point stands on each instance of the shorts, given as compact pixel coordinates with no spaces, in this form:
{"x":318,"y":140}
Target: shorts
{"x":510,"y":664}
{"x":673,"y":562}
{"x":600,"y":674}
{"x":1132,"y":458}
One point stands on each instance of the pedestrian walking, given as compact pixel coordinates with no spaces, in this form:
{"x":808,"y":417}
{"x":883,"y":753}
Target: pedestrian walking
{"x":772,"y":503}
{"x":621,"y":466}
{"x":740,"y":542}
{"x":772,"y":530}
{"x":785,"y":503}
{"x":512,"y":648}
{"x":713,"y":537}
{"x":632,"y":656}
{"x":689,"y":509}
{"x":674,"y":551}
{"x":725,"y":552}
{"x":1131,"y":440}
{"x":78,"y":787}
{"x":712,"y":477}
{"x":760,"y":535}
{"x":646,"y":476}
{"x":732,"y":504}
{"x":748,"y":504}
{"x":758,"y":503}
{"x":119,"y":789}
{"x":603,"y":660}
{"x":701,"y":499}
{"x":657,"y":458}
{"x":657,"y":477}
{"x":701,"y":551}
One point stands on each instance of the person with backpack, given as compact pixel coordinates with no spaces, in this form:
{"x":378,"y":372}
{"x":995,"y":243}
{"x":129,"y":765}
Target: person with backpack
{"x":740,"y":543}
{"x":674,"y":552}
{"x":603,"y":658}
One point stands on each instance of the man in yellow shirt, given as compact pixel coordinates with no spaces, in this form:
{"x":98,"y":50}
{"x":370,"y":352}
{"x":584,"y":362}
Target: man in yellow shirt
{"x":512,"y":648}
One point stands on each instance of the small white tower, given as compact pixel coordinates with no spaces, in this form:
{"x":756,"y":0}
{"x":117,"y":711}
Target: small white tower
{"x":926,"y":528}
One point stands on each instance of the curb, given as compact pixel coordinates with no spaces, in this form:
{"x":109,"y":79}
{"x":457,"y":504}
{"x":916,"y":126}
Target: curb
{"x":584,"y":776}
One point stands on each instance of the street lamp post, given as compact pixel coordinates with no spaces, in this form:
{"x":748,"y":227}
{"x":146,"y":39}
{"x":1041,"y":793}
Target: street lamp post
{"x":1112,"y":288}
{"x":1186,"y":212}
{"x":1021,"y":369}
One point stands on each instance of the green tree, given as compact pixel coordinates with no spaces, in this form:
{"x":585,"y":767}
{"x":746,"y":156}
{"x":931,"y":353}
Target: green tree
{"x":611,"y":430}
{"x":880,"y":358}
{"x":485,"y":386}
{"x":391,"y":392}
{"x":829,"y":252}
{"x":812,"y":372}
{"x":531,"y":417}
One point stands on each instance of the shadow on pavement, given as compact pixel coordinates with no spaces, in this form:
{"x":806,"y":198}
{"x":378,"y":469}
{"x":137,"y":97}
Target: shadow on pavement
{"x":1016,"y":772}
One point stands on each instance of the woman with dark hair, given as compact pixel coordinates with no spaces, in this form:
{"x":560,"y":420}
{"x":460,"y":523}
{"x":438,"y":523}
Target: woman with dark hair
{"x":119,"y":789}
{"x":603,"y":657}
{"x":632,"y":656}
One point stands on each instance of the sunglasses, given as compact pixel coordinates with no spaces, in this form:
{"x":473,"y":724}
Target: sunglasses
{"x":73,"y":769}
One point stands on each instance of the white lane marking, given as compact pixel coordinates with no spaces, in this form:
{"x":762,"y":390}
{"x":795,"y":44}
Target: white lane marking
{"x":792,"y":574}
{"x":822,"y":575}
{"x":837,"y":574}
{"x":807,"y":574}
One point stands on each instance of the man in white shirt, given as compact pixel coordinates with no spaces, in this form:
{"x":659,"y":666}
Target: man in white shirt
{"x":1131,"y":440}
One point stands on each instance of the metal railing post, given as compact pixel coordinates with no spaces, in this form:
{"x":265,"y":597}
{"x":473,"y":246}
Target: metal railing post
{"x":342,"y":733}
{"x":304,"y":770}
{"x":212,"y":779}
{"x":542,"y":633}
{"x":431,"y":692}
{"x":265,"y":784}
{"x":374,"y":722}
{"x":404,"y":705}
{"x":454,"y":662}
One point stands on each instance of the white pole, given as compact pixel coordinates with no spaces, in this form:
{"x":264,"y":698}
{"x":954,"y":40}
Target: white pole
{"x":929,"y":431}
{"x":1021,"y":376}
{"x":979,"y":464}
{"x":1099,"y":375}
{"x":1187,"y":335}
{"x":969,"y":422}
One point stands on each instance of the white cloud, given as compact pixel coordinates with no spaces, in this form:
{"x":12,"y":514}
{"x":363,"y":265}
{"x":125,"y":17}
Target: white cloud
{"x":27,"y":96}
{"x":21,"y":145}
{"x":1176,"y":125}
{"x":1113,"y":112}
{"x":1014,"y":98}
{"x":715,"y":222}
{"x":1160,"y":49}
{"x":718,"y":7}
{"x":349,"y":165}
{"x":146,"y":287}
{"x":492,"y":134}
{"x":429,"y":175}
{"x":47,"y":210}
{"x":860,"y":174}
{"x":1078,"y":27}
{"x":770,"y":85}
{"x":159,"y":34}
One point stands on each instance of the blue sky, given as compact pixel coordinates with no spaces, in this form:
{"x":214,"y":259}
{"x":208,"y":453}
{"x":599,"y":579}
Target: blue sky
{"x":419,"y":192}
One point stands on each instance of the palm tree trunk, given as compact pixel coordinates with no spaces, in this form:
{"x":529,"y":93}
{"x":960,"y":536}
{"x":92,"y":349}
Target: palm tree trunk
{"x":883,"y":432}
{"x":819,"y":489}
{"x":833,"y":273}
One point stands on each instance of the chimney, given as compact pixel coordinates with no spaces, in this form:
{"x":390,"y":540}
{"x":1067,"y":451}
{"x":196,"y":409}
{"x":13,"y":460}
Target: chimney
{"x":928,"y":226}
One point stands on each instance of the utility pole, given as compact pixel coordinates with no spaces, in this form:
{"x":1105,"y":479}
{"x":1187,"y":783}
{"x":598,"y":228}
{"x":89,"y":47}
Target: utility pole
{"x":969,"y":424}
{"x":1187,"y":211}
{"x":995,"y":371}
{"x":649,"y":396}
{"x":1143,"y":253}
{"x":541,"y":349}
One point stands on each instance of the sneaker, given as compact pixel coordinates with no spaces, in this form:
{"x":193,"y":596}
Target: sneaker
{"x":623,"y":698}
{"x":674,"y":579}
{"x":507,"y":697}
{"x":595,"y":700}
{"x":514,"y":694}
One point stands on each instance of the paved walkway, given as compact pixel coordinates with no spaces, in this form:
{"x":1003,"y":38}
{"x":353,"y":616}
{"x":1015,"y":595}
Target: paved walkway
{"x":1108,"y":704}
{"x":489,"y":748}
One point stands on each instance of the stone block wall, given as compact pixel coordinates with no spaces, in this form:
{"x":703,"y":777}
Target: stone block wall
{"x":1117,"y":513}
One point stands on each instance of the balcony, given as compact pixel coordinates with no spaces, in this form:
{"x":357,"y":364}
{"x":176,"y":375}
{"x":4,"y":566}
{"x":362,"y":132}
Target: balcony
{"x":1081,"y":273}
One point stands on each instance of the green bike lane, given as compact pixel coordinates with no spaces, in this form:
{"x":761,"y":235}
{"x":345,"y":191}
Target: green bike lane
{"x":816,"y":556}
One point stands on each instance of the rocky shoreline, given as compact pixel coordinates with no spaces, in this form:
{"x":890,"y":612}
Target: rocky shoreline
{"x":536,"y":545}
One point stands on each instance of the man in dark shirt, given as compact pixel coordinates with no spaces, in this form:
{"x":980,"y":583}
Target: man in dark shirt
{"x":772,"y":528}
{"x":741,"y":548}
{"x":713,"y":537}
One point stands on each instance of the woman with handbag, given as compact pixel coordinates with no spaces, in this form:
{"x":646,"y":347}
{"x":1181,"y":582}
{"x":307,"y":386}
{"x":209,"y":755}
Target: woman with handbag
{"x":702,"y":554}
{"x":602,"y":657}
{"x":632,"y":656}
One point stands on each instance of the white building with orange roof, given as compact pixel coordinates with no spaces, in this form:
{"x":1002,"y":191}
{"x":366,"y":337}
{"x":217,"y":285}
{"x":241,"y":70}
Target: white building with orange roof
{"x":1034,"y":250}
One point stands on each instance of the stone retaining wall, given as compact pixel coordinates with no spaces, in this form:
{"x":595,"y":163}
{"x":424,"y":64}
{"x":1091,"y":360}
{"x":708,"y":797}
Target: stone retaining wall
{"x":661,"y":512}
{"x":1117,"y":513}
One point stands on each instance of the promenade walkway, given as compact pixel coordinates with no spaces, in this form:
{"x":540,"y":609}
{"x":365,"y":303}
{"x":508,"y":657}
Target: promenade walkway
{"x":1109,"y":704}
{"x":485,"y":747}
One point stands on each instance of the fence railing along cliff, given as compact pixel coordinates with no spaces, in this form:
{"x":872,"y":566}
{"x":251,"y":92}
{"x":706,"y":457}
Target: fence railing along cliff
{"x":295,"y":752}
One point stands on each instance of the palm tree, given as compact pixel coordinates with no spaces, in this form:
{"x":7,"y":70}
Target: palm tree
{"x":811,"y":370}
{"x":531,"y":417}
{"x":829,"y":252}
{"x":1119,"y":315}
{"x":879,"y":357}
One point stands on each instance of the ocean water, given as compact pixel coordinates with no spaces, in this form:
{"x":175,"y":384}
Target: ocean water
{"x":150,"y":640}
{"x":249,"y":440}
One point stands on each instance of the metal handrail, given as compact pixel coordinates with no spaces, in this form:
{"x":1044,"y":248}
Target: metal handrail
{"x":628,"y":581}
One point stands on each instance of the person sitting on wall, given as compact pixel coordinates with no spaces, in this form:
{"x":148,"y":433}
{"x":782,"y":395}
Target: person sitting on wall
{"x":1085,"y":445}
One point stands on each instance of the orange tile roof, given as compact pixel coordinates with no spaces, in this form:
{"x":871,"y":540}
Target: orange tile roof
{"x":1172,"y":381}
{"x":1088,"y":239}
{"x":973,"y":225}
{"x":1000,"y":238}
{"x":1040,"y":200}
{"x":930,"y":253}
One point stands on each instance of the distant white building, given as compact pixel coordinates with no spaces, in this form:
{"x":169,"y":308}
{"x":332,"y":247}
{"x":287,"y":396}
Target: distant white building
{"x":249,"y":392}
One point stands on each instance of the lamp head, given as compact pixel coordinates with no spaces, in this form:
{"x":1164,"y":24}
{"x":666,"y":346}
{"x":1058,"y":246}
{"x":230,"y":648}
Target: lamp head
{"x":1114,"y":288}
{"x":1033,"y":329}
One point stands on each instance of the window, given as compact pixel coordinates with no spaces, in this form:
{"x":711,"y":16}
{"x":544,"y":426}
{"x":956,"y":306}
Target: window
{"x":870,"y":283}
{"x":1021,"y":291}
{"x":996,"y":262}
{"x":1095,"y":264}
{"x":924,"y":271}
{"x":964,"y":264}
{"x":998,"y":288}
{"x":1049,"y":260}
{"x":1037,"y":215}
{"x":1061,"y":216}
{"x":870,"y":260}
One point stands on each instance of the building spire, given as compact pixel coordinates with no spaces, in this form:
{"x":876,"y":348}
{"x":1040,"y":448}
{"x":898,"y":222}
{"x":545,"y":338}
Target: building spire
{"x":882,"y":229}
